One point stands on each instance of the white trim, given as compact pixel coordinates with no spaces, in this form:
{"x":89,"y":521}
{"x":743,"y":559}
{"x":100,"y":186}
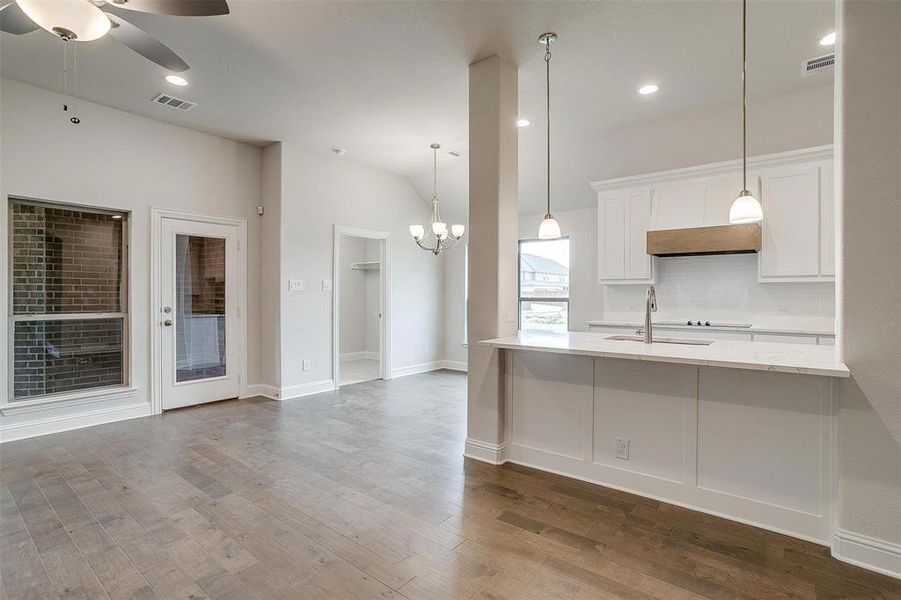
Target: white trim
{"x":867,"y":552}
{"x":434,"y":365}
{"x":306,"y":389}
{"x":385,"y":371}
{"x":273,"y":392}
{"x":263,"y":389}
{"x":718,"y":168}
{"x":361,"y":355}
{"x":60,"y":423}
{"x":493,"y":454}
{"x":454,"y":365}
{"x":68,"y":399}
{"x":157,"y":215}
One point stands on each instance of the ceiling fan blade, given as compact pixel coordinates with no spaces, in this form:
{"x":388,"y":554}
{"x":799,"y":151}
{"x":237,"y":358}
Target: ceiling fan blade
{"x":145,"y":44}
{"x":14,"y":20}
{"x":178,"y":8}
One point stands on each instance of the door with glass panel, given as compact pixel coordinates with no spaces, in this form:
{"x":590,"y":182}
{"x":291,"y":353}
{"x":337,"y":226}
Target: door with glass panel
{"x":198,"y":312}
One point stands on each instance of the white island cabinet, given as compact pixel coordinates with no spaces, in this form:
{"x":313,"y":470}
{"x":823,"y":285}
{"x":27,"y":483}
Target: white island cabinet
{"x":744,"y":430}
{"x":795,"y":189}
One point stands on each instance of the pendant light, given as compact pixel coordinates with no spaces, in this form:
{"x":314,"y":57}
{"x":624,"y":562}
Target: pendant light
{"x":549,"y":228}
{"x":435,"y":238}
{"x":745,"y":208}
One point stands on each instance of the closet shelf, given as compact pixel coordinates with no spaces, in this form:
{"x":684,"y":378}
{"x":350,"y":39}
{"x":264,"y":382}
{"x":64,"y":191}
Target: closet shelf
{"x":365,"y":266}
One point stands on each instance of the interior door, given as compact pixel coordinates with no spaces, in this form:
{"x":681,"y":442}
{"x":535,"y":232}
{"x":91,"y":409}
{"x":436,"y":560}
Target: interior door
{"x":199,"y":310}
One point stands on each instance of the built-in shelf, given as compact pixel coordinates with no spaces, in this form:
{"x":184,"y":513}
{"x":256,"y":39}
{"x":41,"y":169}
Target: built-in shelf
{"x":365,"y":266}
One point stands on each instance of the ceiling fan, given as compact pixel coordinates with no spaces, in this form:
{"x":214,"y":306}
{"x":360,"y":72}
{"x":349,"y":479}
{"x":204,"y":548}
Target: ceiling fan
{"x":87,"y":20}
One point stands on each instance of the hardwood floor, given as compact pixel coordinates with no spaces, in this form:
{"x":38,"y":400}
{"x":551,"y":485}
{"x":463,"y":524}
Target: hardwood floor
{"x":360,"y":494}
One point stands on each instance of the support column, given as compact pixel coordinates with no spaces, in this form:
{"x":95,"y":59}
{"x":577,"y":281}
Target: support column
{"x":493,"y":225}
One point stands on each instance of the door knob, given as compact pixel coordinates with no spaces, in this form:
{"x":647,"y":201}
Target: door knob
{"x":168,"y":322}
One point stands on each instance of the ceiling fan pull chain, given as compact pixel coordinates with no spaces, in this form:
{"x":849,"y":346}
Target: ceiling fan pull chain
{"x":74,"y":119}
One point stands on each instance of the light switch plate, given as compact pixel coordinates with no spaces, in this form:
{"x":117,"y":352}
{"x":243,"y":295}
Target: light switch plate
{"x":326,"y":284}
{"x":306,"y":365}
{"x":295,"y":285}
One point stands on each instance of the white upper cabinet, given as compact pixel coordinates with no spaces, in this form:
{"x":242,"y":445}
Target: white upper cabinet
{"x":623,"y":218}
{"x":797,"y":232}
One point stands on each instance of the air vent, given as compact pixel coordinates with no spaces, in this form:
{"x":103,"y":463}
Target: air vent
{"x":173,"y":102}
{"x":820,"y":64}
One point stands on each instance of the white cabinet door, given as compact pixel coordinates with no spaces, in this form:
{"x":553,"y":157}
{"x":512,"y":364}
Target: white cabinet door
{"x":638,"y":216}
{"x":611,"y":236}
{"x":827,"y":219}
{"x":790,"y":245}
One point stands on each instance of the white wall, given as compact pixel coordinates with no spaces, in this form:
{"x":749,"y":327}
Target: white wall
{"x":121,"y":161}
{"x":455,"y":307}
{"x":869,"y":287}
{"x":359,"y":292}
{"x":373,"y":297}
{"x":318,"y":192}
{"x":270,"y":268}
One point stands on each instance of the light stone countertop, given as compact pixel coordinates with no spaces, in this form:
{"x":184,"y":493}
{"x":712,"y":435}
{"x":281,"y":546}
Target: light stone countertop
{"x":756,"y":356}
{"x":773,"y":329}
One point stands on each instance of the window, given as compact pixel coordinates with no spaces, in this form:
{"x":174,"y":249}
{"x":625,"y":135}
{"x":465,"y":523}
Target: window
{"x":544,"y":284}
{"x":68,"y":305}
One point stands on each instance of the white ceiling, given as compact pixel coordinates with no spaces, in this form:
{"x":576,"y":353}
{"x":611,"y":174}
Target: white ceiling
{"x":385,"y":79}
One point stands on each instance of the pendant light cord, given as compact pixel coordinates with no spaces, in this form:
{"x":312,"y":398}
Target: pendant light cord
{"x":744,"y":96}
{"x":547,"y":71}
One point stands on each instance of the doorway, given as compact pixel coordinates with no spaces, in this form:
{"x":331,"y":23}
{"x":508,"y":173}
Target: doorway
{"x":360,"y":335}
{"x":198,"y":324}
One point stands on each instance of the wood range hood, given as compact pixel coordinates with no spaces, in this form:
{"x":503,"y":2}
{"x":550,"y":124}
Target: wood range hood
{"x":705,"y":241}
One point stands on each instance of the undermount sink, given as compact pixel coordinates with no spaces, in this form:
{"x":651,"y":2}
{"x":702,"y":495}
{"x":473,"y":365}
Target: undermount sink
{"x":661,"y":340}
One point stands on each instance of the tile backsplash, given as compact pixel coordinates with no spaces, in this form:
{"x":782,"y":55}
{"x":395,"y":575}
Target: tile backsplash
{"x":723,"y":288}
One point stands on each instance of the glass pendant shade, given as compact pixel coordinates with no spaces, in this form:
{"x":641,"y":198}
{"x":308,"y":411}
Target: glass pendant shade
{"x":71,"y":19}
{"x":417,"y":231}
{"x":457,"y":231}
{"x":439,"y":229}
{"x":549,"y":228}
{"x":745,"y":209}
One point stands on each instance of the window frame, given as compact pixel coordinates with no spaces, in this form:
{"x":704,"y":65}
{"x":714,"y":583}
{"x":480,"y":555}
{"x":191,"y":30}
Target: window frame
{"x":9,"y":401}
{"x":519,"y":297}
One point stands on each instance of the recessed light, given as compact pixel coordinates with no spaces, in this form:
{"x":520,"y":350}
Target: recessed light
{"x":339,"y":151}
{"x":648,"y":88}
{"x":522,"y":123}
{"x":828,"y":39}
{"x":177,"y":80}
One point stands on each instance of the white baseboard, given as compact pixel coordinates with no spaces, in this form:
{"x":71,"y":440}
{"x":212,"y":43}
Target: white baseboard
{"x":414,"y":369}
{"x":57,"y":423}
{"x":494,"y":454}
{"x":867,"y":552}
{"x":454,"y":365}
{"x":263,"y":389}
{"x":362,"y":355}
{"x":291,"y":391}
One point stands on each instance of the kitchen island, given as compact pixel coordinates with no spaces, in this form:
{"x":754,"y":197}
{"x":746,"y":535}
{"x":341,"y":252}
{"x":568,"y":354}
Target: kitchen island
{"x":744,"y":430}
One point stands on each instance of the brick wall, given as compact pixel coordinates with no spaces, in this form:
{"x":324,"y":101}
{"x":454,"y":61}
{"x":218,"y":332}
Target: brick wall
{"x":66,"y":261}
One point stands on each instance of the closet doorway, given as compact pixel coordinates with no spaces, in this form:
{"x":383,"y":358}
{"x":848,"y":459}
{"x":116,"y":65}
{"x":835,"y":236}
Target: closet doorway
{"x":360,"y":336}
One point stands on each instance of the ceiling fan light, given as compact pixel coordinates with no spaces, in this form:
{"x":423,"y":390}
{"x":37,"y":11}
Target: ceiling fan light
{"x":745,"y":209}
{"x":549,"y":228}
{"x":64,"y":18}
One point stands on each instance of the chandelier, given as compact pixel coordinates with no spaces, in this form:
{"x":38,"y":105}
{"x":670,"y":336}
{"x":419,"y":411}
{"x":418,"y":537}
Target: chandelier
{"x":437,"y":237}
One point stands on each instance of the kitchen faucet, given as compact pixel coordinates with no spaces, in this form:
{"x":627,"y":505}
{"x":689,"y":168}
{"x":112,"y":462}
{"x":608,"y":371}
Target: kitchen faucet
{"x":649,"y":307}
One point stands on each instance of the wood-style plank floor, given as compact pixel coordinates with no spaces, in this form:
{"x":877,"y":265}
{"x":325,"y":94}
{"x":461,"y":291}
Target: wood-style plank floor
{"x":360,"y":494}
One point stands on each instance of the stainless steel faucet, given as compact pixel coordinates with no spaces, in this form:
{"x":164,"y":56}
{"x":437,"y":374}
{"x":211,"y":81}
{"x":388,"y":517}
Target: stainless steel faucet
{"x":649,"y":307}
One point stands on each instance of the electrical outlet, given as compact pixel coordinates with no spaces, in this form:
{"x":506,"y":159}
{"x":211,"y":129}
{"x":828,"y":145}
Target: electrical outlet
{"x":295,"y":285}
{"x":306,"y":364}
{"x":425,"y":349}
{"x":622,"y":448}
{"x":633,"y":308}
{"x":785,"y":310}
